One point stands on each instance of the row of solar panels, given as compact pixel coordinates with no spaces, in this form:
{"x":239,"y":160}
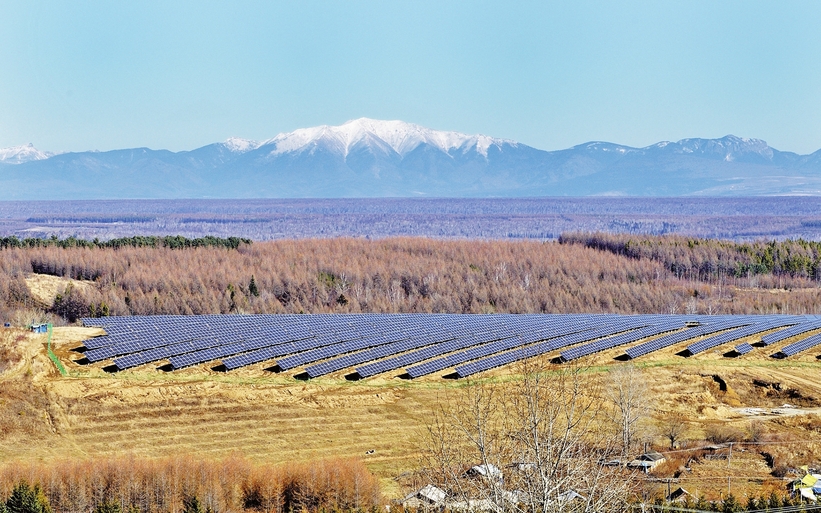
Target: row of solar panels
{"x":420,"y":343}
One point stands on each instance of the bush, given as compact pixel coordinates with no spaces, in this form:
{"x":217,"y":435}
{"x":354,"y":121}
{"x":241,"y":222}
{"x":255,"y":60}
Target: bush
{"x":780,"y":471}
{"x":719,"y":434}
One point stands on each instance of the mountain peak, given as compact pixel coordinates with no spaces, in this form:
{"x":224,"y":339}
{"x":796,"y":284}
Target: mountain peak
{"x":729,"y":147}
{"x":238,"y":145}
{"x":21,"y":154}
{"x":400,"y":136}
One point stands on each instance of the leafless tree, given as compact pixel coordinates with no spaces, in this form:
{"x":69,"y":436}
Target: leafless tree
{"x":673,"y":427}
{"x":544,"y":433}
{"x":627,"y":391}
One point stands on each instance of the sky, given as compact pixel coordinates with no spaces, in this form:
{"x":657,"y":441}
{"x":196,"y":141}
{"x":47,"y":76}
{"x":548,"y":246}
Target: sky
{"x":179,"y":75}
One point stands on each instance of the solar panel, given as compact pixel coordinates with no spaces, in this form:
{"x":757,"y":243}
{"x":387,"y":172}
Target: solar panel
{"x":618,"y":340}
{"x":743,"y":348}
{"x":798,"y":329}
{"x":675,"y":338}
{"x":541,"y":348}
{"x":733,"y":334}
{"x":800,"y":346}
{"x":375,"y":353}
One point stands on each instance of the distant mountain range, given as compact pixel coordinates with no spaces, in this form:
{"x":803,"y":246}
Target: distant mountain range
{"x":371,"y":158}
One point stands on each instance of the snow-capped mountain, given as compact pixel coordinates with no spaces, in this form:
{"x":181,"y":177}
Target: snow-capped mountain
{"x":399,"y":136}
{"x":21,"y":154}
{"x":372,"y":158}
{"x":237,"y":145}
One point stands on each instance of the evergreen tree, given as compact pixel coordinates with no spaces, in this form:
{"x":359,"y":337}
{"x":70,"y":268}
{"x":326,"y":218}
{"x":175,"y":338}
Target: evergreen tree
{"x":252,"y":287}
{"x":27,"y":499}
{"x":731,"y":505}
{"x":108,"y":507}
{"x":702,"y":504}
{"x":774,"y":501}
{"x":191,"y":504}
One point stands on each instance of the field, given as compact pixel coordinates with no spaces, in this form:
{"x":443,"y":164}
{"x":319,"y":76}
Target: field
{"x":271,"y":417}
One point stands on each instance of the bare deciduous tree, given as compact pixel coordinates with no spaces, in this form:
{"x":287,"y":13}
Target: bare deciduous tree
{"x":544,"y":433}
{"x":627,"y":390}
{"x":673,"y":427}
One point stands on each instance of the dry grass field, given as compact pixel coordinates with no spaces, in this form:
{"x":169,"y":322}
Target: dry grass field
{"x":275,"y":418}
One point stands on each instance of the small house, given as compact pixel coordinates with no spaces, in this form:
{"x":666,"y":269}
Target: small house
{"x":487,"y":471}
{"x":570,"y":496}
{"x":648,"y":461}
{"x":425,"y":497}
{"x":679,"y":495}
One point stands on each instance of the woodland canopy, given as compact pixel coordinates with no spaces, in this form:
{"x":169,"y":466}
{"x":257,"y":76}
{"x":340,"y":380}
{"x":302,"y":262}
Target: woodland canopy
{"x":581,"y":273}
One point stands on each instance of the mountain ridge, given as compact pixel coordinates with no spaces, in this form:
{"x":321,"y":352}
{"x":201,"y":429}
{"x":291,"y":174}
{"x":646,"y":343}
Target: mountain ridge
{"x":374,"y":158}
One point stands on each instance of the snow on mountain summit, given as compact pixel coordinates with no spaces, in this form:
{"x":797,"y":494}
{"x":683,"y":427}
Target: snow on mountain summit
{"x":400,"y":136}
{"x":237,"y":145}
{"x":21,"y":154}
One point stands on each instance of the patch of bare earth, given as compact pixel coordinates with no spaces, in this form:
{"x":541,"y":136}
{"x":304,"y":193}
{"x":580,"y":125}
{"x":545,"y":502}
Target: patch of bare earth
{"x":45,"y":287}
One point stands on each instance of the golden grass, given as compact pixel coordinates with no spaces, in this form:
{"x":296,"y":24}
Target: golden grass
{"x":272,"y":418}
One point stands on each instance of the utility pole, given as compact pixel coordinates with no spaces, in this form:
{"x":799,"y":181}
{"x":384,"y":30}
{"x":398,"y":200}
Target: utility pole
{"x":729,"y":457}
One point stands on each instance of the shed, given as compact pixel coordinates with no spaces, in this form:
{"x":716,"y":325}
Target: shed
{"x":678,"y":495}
{"x":428,"y":495}
{"x":571,"y":495}
{"x":648,"y":461}
{"x":486,"y":471}
{"x":39,"y":328}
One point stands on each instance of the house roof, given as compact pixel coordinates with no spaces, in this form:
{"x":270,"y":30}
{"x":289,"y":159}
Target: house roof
{"x":485,"y":470}
{"x":570,"y":495}
{"x":428,"y":493}
{"x":678,"y":494}
{"x":652,"y":456}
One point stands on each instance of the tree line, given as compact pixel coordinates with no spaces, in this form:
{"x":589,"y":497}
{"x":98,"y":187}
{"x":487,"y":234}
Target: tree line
{"x":172,"y":242}
{"x":185,"y":484}
{"x":707,"y":259}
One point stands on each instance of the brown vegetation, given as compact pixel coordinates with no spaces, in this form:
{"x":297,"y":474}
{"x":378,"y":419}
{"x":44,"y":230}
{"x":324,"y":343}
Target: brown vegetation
{"x":163,"y":485}
{"x":395,"y":275}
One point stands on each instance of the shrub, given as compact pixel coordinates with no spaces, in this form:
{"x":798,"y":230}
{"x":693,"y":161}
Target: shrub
{"x":720,"y":434}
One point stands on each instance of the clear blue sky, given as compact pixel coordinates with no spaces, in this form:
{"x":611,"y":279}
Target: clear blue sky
{"x":178,"y":75}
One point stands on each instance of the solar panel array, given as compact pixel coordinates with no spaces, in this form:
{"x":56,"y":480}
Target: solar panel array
{"x":422,"y":344}
{"x":799,"y":329}
{"x":802,"y":345}
{"x":764,"y":324}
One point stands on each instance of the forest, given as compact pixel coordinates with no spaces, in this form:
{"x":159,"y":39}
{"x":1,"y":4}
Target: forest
{"x":739,"y":219}
{"x":597,"y":273}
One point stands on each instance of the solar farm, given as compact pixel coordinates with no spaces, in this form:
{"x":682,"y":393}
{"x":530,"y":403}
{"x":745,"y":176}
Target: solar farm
{"x":417,"y":345}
